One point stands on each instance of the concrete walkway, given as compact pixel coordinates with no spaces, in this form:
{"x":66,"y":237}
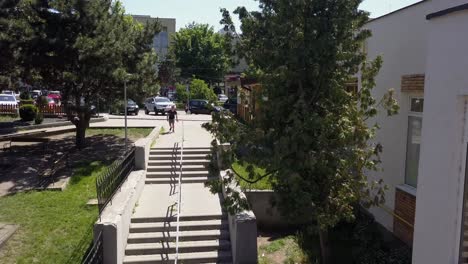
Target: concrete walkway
{"x":161,"y":200}
{"x":204,"y":234}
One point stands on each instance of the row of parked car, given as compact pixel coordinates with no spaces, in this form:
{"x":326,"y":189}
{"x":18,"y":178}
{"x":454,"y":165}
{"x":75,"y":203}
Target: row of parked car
{"x":8,"y":97}
{"x":160,"y":105}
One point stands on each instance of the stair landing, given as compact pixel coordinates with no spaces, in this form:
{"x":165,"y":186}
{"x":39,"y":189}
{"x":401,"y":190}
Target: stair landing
{"x":160,"y":200}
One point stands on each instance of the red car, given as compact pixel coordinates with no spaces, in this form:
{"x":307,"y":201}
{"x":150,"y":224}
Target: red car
{"x":55,"y":95}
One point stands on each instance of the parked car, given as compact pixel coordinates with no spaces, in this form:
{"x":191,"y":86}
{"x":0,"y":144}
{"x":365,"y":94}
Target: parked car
{"x":55,"y":95}
{"x":51,"y":102}
{"x":8,"y":99}
{"x":8,"y":92}
{"x":222,"y":98}
{"x":171,"y":95}
{"x":119,"y":108}
{"x":35,"y":93}
{"x":231,"y":105}
{"x":197,"y":106}
{"x":158,"y":105}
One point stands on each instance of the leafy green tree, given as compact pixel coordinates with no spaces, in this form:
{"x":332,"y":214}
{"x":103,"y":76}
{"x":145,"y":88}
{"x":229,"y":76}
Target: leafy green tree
{"x":201,"y":52}
{"x":87,"y":50}
{"x":181,"y":91}
{"x":167,"y":72}
{"x":198,"y":90}
{"x":313,"y":137}
{"x":15,"y":34}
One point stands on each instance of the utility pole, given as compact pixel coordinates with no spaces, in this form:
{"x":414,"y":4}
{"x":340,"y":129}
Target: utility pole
{"x":125,"y":104}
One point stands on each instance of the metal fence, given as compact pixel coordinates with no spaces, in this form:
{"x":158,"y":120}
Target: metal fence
{"x":108,"y":182}
{"x":95,"y":254}
{"x":51,"y":110}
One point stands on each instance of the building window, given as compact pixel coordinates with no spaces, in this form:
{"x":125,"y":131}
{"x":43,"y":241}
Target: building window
{"x":413,"y":144}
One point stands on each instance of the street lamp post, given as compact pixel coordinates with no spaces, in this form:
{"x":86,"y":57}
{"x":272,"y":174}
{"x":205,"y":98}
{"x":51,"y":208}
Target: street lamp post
{"x":125,"y":104}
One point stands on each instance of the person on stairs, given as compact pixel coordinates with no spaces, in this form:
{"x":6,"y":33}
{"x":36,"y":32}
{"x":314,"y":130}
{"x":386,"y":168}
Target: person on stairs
{"x":171,"y":117}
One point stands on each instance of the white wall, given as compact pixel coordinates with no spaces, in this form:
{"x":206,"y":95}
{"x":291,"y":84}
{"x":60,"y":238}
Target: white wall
{"x":441,"y":166}
{"x":400,"y":38}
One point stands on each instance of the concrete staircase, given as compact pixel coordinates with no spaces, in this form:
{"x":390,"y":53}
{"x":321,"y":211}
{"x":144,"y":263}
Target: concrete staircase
{"x":163,"y":166}
{"x":202,"y":239}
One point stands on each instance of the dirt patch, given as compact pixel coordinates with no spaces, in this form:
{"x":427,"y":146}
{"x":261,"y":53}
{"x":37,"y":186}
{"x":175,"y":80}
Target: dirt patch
{"x":279,"y":248}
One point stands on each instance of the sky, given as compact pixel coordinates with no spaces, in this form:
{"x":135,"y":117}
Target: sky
{"x":207,"y":11}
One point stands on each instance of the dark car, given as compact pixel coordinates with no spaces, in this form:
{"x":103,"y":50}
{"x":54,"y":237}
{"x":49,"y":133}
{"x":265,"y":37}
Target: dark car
{"x":197,"y":106}
{"x":231,"y":105}
{"x":118,"y":107}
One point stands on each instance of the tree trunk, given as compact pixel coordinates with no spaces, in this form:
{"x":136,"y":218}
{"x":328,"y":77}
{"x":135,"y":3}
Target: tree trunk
{"x":81,"y":122}
{"x":324,"y":246}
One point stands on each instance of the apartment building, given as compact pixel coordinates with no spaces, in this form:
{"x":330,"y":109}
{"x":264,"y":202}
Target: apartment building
{"x":425,"y":146}
{"x":162,"y":41}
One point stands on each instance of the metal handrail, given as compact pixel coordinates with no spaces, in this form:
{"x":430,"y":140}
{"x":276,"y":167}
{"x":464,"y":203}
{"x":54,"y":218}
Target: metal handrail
{"x":179,"y":199}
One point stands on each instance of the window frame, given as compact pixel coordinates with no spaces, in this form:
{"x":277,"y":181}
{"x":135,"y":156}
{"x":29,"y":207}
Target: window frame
{"x":412,"y":114}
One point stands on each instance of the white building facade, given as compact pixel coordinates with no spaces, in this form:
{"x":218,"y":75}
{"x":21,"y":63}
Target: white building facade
{"x":425,"y":59}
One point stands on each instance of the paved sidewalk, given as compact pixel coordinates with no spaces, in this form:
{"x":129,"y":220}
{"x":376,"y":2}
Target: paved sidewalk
{"x":194,"y":134}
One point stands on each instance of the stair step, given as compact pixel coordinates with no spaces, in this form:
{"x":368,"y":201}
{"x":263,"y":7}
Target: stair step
{"x":170,"y":247}
{"x":176,"y":180}
{"x":177,"y":162}
{"x":198,"y":235}
{"x":182,"y":218}
{"x":183,"y":226}
{"x":186,"y":258}
{"x":175,"y":174}
{"x":172,"y":168}
{"x":178,"y":148}
{"x":175,"y":152}
{"x":177,"y":157}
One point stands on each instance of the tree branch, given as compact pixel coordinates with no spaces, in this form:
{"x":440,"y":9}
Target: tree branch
{"x":250,"y":181}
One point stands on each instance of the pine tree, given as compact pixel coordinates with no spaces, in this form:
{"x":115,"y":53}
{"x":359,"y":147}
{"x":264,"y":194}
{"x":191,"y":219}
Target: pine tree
{"x":85,"y":49}
{"x":313,"y":136}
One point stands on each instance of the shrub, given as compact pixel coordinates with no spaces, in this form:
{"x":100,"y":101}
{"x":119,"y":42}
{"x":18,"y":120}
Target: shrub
{"x":117,"y":107}
{"x":39,"y":119}
{"x":181,"y":92}
{"x":42,"y":102}
{"x":28,"y":112}
{"x":27,"y":102}
{"x":25,"y":96}
{"x":200,"y":90}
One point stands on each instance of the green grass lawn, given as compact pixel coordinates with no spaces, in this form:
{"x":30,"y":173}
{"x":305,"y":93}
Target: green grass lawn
{"x":263,"y":184}
{"x":9,"y":118}
{"x":133,"y":133}
{"x":54,"y":227}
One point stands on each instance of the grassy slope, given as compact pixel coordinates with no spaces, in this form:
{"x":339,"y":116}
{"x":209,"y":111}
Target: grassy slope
{"x":55,"y":227}
{"x":119,"y":132}
{"x":263,"y":184}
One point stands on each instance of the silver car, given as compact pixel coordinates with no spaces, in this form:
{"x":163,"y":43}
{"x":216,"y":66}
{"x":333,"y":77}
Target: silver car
{"x":158,"y":105}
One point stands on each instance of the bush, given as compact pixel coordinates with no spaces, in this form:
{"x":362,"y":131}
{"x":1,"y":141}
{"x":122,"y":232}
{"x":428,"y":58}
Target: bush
{"x":181,"y":92}
{"x":25,"y":96}
{"x":117,"y":107}
{"x":42,"y":102}
{"x":39,"y":119}
{"x":27,"y":102}
{"x":198,"y":90}
{"x":28,"y":112}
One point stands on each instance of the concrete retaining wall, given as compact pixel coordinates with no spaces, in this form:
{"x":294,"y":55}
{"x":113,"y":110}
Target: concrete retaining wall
{"x":242,"y":226}
{"x":142,"y":149}
{"x":267,"y":215}
{"x":114,"y":222}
